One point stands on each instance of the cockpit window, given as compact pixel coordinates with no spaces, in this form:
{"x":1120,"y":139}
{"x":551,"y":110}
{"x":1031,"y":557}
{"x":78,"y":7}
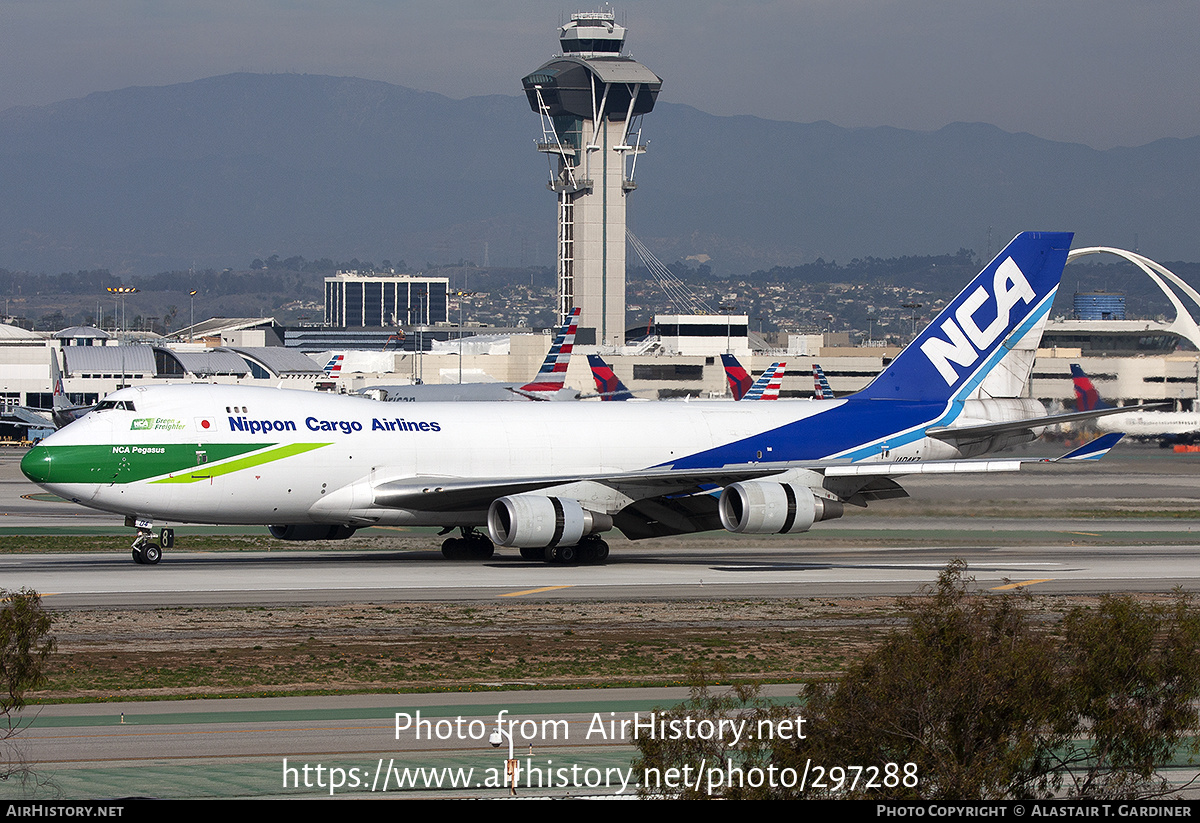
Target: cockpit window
{"x":122,"y":405}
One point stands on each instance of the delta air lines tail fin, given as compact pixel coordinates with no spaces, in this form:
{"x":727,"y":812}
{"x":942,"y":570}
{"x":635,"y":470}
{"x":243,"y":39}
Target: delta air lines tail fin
{"x":1087,"y":398}
{"x":983,"y":343}
{"x":608,"y":385}
{"x":739,"y":379}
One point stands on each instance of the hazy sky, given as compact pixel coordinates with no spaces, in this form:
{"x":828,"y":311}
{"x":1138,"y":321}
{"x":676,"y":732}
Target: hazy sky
{"x":1101,"y":72}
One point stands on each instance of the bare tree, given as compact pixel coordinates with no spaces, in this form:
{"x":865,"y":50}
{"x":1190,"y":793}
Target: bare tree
{"x":25,"y":646}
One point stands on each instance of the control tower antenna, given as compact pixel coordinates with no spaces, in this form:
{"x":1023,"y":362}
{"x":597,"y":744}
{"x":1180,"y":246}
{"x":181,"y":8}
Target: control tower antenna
{"x":591,"y":98}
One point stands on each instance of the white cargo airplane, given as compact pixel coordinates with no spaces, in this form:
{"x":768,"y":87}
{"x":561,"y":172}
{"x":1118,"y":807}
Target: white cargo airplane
{"x":549,"y":478}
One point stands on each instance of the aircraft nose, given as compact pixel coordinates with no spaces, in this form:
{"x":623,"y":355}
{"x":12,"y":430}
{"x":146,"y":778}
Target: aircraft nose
{"x":36,"y":464}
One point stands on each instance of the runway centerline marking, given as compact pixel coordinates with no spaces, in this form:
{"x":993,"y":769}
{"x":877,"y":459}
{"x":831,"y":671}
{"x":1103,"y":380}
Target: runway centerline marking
{"x":534,"y":591}
{"x":1022,"y":583}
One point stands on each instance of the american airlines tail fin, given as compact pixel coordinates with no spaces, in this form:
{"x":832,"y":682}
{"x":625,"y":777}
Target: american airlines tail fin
{"x":739,"y":379}
{"x":58,"y":396}
{"x":983,"y":343}
{"x":333,"y":368}
{"x":1087,"y":398}
{"x":766,"y":387}
{"x":608,"y":385}
{"x":553,"y":374}
{"x":821,"y":390}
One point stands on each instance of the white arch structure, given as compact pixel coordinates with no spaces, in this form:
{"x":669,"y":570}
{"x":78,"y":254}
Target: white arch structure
{"x":1184,"y":324}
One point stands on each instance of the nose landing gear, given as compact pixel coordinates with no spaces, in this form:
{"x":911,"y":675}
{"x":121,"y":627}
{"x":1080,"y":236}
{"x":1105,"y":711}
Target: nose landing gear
{"x":145,"y":551}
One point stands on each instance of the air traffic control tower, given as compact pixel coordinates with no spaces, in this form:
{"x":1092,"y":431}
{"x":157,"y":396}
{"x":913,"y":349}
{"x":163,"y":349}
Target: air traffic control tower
{"x":591,"y":98}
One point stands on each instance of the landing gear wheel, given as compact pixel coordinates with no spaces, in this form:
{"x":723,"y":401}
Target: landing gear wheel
{"x":529,"y":553}
{"x":597,"y":551}
{"x":145,"y":551}
{"x":593,"y":550}
{"x":471,"y":546}
{"x":567,"y":554}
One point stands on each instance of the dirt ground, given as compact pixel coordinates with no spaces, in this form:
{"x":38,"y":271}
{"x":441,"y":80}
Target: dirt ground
{"x":176,"y":652}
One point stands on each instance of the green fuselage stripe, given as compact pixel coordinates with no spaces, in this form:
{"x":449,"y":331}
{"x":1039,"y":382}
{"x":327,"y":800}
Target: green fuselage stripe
{"x":169,"y":462}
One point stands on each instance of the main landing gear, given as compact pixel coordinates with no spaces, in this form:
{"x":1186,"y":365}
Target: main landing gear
{"x":591,"y":550}
{"x":471,"y":546}
{"x":145,"y":551}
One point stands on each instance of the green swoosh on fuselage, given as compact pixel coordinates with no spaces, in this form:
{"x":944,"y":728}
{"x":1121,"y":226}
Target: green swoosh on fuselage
{"x":207,"y":471}
{"x":170,"y":462}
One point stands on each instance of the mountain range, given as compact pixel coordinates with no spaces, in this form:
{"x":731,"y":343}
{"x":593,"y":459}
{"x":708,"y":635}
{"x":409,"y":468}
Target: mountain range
{"x":219,"y":171}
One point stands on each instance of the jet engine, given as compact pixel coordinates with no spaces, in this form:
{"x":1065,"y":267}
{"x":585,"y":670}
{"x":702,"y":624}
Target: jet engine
{"x":314,"y":532}
{"x":766,"y":507}
{"x":531,"y":521}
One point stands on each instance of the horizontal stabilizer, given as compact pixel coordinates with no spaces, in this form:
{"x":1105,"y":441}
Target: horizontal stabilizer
{"x":1095,"y":449}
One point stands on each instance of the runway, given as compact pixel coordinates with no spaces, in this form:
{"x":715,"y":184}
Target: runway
{"x":267,"y":578}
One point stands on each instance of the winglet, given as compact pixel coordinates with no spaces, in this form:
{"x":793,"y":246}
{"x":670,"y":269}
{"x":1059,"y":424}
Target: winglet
{"x":1093,"y":450}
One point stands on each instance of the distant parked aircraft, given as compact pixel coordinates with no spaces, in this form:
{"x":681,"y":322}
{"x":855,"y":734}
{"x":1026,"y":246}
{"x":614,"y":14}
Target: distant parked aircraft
{"x":1166,"y":427}
{"x":549,"y":384}
{"x":765,"y":388}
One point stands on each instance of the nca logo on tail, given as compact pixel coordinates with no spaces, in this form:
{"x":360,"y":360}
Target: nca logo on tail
{"x":965,"y":339}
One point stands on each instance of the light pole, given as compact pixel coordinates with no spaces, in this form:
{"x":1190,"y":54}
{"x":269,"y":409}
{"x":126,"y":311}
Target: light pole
{"x":913,"y":325}
{"x":120,"y":293}
{"x":192,"y":325}
{"x":510,"y":767}
{"x":419,"y":342}
{"x":727,"y":308}
{"x":461,"y":296}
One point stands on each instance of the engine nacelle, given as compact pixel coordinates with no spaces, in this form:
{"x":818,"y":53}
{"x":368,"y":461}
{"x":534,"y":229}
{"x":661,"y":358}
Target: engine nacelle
{"x":766,"y":507}
{"x":532,"y":521}
{"x":313,"y":532}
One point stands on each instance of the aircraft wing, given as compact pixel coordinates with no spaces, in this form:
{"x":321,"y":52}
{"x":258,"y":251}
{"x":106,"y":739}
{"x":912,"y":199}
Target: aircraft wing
{"x":560,"y":394}
{"x":22,"y":416}
{"x":657,"y":502}
{"x":450,"y":494}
